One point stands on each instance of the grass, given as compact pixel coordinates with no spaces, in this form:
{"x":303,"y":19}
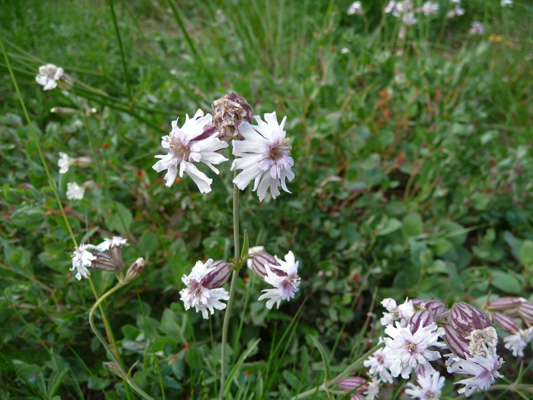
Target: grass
{"x":413,"y":178}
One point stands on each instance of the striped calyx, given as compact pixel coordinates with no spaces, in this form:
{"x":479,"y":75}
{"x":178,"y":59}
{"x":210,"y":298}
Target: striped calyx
{"x":466,"y":318}
{"x":505,"y":322}
{"x":218,"y":276}
{"x":505,"y":303}
{"x":260,"y":262}
{"x":421,"y":318}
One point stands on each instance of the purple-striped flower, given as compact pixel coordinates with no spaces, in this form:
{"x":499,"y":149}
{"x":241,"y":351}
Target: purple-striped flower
{"x":484,"y":371}
{"x":204,"y":291}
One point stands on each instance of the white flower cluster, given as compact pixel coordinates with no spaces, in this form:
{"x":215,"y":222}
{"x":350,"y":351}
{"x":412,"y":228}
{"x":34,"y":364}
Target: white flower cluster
{"x":85,"y":255}
{"x":262,"y":153}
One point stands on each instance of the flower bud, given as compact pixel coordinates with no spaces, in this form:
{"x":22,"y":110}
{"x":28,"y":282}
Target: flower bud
{"x":228,"y":112}
{"x":218,"y":276}
{"x":135,"y":270}
{"x":433,"y":306}
{"x":89,"y":185}
{"x":525,"y":310}
{"x":63,"y":111}
{"x":505,"y":303}
{"x":105,"y":262}
{"x":421,"y":318}
{"x":456,"y":342}
{"x":353,"y":383}
{"x":115,"y":369}
{"x":467,"y":318}
{"x":260,"y":262}
{"x":65,"y":82}
{"x":505,"y":322}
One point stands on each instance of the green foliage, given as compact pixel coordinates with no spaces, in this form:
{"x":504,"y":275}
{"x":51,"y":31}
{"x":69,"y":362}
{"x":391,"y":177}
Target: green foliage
{"x":413,"y":178}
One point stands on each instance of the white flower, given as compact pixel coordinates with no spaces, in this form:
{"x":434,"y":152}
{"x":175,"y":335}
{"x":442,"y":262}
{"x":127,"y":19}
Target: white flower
{"x":355,"y":8}
{"x":506,"y":3}
{"x":65,"y":162}
{"x":252,"y":251}
{"x":345,"y":50}
{"x":456,"y":12}
{"x":285,"y":280}
{"x":74,"y":191}
{"x":186,"y":145}
{"x":409,"y":18}
{"x":518,"y":341}
{"x":407,"y":351}
{"x":373,"y":389}
{"x":429,"y":386}
{"x":117,"y":241}
{"x":482,"y":342}
{"x":378,"y":365}
{"x":48,"y":76}
{"x":477,"y":28}
{"x":394,"y":7}
{"x":483,"y":369}
{"x":197,"y":295}
{"x":81,"y":260}
{"x":403,"y":312}
{"x":430,"y":7}
{"x":264,"y":156}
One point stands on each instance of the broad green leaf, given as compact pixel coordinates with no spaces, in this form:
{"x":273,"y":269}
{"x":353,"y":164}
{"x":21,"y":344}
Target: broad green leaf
{"x":412,"y":225}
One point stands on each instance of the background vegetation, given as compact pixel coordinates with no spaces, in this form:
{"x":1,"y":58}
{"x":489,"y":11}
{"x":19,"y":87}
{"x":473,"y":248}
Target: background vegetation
{"x":413,"y":178}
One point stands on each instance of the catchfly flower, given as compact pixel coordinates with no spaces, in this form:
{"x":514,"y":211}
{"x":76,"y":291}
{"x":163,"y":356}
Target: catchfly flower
{"x":264,"y":156}
{"x":284,"y":277}
{"x":116,"y":241}
{"x":48,"y":76}
{"x":483,"y":369}
{"x":65,"y":162}
{"x":82,"y":259}
{"x":518,"y":341}
{"x":429,"y":386}
{"x":204,"y":291}
{"x":191,"y":144}
{"x":402,"y":312}
{"x":75,"y":191}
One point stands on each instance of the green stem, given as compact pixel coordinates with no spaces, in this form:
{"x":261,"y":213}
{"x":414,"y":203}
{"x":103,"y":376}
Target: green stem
{"x":346,"y":373}
{"x":513,"y":388}
{"x":234,"y":275}
{"x":123,"y":58}
{"x":123,"y":374}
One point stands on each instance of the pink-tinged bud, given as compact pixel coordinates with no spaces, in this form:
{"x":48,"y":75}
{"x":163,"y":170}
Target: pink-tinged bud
{"x":261,"y":261}
{"x":525,"y":310}
{"x":456,"y":341}
{"x":353,"y":383}
{"x":218,"y":276}
{"x":505,"y":322}
{"x":467,"y":318}
{"x":116,"y":254}
{"x":433,"y":306}
{"x":105,"y":262}
{"x":505,"y":303}
{"x":421,"y":318}
{"x":63,"y":111}
{"x":83,"y":162}
{"x":135,"y":270}
{"x":228,"y":113}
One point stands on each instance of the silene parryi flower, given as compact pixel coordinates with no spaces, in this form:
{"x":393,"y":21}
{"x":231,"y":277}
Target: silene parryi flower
{"x":283,"y":275}
{"x":402,"y":312}
{"x":430,"y":8}
{"x":82,"y":259}
{"x":50,"y":76}
{"x":263,"y":156}
{"x":355,"y":8}
{"x":196,"y":141}
{"x":506,"y":3}
{"x":476,"y":29}
{"x":429,"y":386}
{"x":204,"y":290}
{"x":65,"y":162}
{"x":75,"y":191}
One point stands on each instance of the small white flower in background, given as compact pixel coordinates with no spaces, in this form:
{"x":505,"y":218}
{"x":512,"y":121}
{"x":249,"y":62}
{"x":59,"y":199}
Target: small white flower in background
{"x":82,"y":259}
{"x":186,"y":145}
{"x":517,"y":342}
{"x":198,"y":295}
{"x":373,"y":390}
{"x":284,"y":277}
{"x":378,"y":365}
{"x":64,"y":163}
{"x":456,"y":12}
{"x":117,"y":241}
{"x":477,"y":28}
{"x":429,"y":386}
{"x":506,"y":3}
{"x":456,"y":1}
{"x":75,"y":191}
{"x":483,"y":369}
{"x":430,"y":7}
{"x":264,"y":156}
{"x":409,"y":19}
{"x":355,"y":8}
{"x":402,"y":313}
{"x":345,"y":50}
{"x":48,"y":76}
{"x":407,"y":351}
{"x":394,"y":7}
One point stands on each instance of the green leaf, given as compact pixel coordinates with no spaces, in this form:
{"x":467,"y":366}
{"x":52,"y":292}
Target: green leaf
{"x":245,"y":245}
{"x":121,"y":219}
{"x":324,"y":355}
{"x":388,"y":226}
{"x":506,"y":282}
{"x":526,"y":253}
{"x":412,"y":225}
{"x":28,"y":217}
{"x":251,"y":348}
{"x":148,"y":244}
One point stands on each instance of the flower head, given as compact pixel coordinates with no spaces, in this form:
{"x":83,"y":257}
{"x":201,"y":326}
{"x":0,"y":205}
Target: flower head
{"x":228,"y":113}
{"x":401,"y":313}
{"x":48,"y":76}
{"x":430,"y":7}
{"x":65,"y":162}
{"x":506,"y":3}
{"x":263,"y":156}
{"x":429,"y":386}
{"x":378,"y":365}
{"x":477,"y":28}
{"x":355,"y":8}
{"x":82,"y":259}
{"x":284,"y":277}
{"x":117,"y":241}
{"x":75,"y":191}
{"x":483,"y":369}
{"x":200,"y":292}
{"x":518,"y":341}
{"x":409,"y":18}
{"x":191,"y":144}
{"x":408,"y":351}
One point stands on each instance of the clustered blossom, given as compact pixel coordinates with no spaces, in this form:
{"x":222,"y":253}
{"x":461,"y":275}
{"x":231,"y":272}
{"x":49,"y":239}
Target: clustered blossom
{"x":428,"y":388}
{"x":188,"y":145}
{"x":204,"y":290}
{"x":75,"y":191}
{"x":263,"y":156}
{"x":49,"y":75}
{"x":283,"y":276}
{"x":355,"y":8}
{"x":65,"y":162}
{"x":82,"y":259}
{"x":402,"y":313}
